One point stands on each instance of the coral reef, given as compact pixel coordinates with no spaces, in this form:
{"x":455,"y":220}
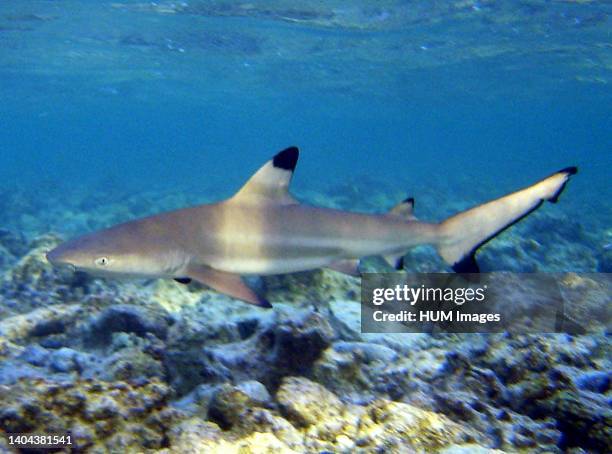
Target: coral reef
{"x":305,"y":417}
{"x":101,"y":416}
{"x":145,"y":366}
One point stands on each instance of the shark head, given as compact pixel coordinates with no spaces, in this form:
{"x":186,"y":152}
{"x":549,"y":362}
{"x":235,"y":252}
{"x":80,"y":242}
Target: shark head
{"x":106,"y":253}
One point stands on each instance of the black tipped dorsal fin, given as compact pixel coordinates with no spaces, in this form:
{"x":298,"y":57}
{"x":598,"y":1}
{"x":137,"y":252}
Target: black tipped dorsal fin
{"x":271,"y":182}
{"x":404,"y":209}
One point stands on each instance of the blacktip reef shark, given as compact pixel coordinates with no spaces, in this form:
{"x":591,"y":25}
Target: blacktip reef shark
{"x":264,"y":230}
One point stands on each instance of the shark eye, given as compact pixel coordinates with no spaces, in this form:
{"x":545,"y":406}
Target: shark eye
{"x":102,"y":261}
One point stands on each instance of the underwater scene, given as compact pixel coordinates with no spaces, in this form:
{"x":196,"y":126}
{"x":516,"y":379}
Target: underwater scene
{"x":236,"y":326}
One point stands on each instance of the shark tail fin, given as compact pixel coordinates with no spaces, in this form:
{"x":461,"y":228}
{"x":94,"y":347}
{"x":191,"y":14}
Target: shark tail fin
{"x":462,"y":234}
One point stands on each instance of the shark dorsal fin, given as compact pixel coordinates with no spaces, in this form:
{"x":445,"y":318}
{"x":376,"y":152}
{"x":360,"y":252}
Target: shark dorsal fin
{"x":404,"y":209}
{"x":271,"y":182}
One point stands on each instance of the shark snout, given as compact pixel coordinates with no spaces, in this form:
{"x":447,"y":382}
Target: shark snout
{"x":59,"y":257}
{"x":54,"y":256}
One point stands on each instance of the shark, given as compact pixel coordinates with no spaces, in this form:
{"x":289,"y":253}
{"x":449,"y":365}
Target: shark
{"x":264,"y":230}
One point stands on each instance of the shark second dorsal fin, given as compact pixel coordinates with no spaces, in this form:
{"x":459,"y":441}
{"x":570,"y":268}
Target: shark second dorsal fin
{"x":404,"y":209}
{"x":271,"y":182}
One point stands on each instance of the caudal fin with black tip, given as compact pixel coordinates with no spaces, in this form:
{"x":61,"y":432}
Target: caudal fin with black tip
{"x":462,"y":234}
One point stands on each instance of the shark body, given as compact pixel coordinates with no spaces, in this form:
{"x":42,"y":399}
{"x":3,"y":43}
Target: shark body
{"x":263,"y":230}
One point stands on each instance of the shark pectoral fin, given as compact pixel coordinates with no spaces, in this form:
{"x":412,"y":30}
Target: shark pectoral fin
{"x":271,"y":182}
{"x":228,"y":283}
{"x":396,"y":261}
{"x":349,"y":266}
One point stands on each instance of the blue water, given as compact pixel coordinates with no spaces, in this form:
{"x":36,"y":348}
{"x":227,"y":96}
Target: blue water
{"x":145,"y":95}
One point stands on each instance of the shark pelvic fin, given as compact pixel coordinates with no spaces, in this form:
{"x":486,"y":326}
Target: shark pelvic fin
{"x":348,"y":266}
{"x":404,"y":209}
{"x":271,"y":182}
{"x":461,"y":235}
{"x":228,"y":283}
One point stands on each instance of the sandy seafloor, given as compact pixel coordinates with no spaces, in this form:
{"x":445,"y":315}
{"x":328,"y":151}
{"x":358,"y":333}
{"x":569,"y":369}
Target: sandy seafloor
{"x":146,"y":366}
